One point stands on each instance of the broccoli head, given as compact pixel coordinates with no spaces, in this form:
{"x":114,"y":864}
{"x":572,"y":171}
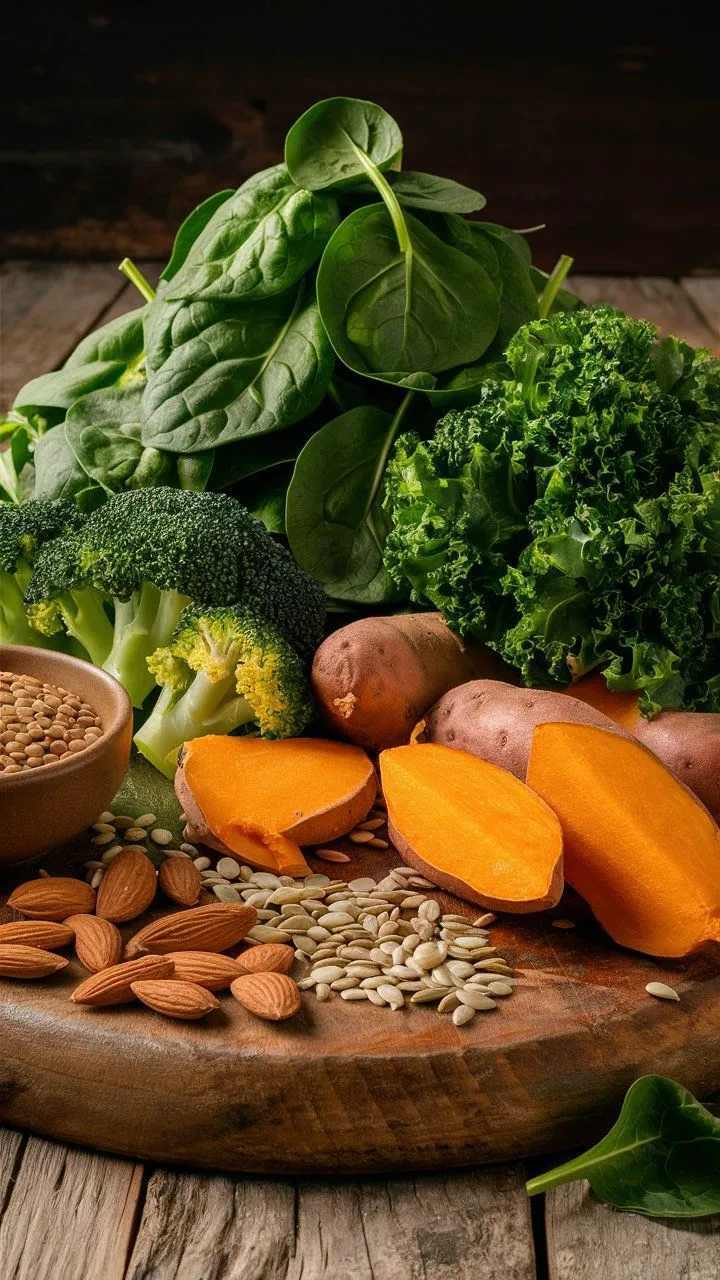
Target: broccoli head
{"x":224,"y":669}
{"x":149,"y":553}
{"x":24,"y":530}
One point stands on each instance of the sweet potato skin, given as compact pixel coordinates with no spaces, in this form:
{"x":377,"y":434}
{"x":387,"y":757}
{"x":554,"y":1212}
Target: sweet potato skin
{"x":496,"y":721}
{"x":688,"y":744}
{"x":374,"y":679}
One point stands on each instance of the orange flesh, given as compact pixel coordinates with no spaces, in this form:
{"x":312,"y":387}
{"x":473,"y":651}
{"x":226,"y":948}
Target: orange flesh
{"x":274,"y":785}
{"x":472,"y":820}
{"x":264,"y":849}
{"x":620,"y":707}
{"x":642,"y":851}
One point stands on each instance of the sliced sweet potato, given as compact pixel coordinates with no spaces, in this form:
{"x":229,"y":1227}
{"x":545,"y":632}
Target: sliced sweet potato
{"x":472,"y":827}
{"x":639,"y":846}
{"x":374,"y":679}
{"x":495,"y":721}
{"x":308,"y":790}
{"x":687,"y":742}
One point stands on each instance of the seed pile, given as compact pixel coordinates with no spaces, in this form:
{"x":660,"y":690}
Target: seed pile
{"x":42,"y":724}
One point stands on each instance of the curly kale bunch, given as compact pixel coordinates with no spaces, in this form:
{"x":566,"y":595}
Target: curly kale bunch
{"x":571,"y":519}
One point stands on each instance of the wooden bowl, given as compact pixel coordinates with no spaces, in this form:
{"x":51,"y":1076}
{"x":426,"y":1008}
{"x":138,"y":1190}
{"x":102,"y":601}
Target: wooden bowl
{"x":42,"y":808}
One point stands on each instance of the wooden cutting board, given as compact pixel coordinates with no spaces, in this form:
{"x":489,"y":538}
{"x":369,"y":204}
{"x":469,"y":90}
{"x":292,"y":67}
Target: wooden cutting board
{"x":351,"y":1087}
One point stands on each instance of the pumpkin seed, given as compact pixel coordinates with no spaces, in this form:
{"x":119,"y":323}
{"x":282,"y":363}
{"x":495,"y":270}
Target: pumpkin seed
{"x":661,"y":991}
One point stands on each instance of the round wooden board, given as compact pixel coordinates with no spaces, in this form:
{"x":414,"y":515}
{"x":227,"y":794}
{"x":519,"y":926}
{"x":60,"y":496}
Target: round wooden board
{"x":345,"y":1088}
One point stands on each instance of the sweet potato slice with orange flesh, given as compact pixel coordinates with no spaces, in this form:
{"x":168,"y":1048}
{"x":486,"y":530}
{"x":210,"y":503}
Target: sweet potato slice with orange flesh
{"x":621,"y":708}
{"x":309,"y":790}
{"x":639,"y":846}
{"x":472,"y":828}
{"x":264,"y":849}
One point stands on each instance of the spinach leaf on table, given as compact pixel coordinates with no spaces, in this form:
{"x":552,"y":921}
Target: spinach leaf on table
{"x":661,"y":1157}
{"x":219,"y":371}
{"x":190,"y":229}
{"x":258,"y":243}
{"x":336,"y":140}
{"x":396,"y":300}
{"x":335,"y":521}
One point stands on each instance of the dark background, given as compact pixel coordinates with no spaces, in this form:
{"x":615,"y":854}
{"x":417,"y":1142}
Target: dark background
{"x":603,"y":125}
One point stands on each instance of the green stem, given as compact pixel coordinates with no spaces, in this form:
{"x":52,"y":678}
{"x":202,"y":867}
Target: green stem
{"x":392,"y":203}
{"x":136,"y":277}
{"x":555,"y":281}
{"x":381,"y":464}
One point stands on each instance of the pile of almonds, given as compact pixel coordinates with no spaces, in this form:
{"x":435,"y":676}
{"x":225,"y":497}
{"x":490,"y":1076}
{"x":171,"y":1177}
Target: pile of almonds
{"x":41,"y":724}
{"x":384,"y":943}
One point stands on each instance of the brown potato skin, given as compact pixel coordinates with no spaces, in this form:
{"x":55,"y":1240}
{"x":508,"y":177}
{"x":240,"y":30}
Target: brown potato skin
{"x":374,"y":679}
{"x":496,"y":721}
{"x":688,"y":744}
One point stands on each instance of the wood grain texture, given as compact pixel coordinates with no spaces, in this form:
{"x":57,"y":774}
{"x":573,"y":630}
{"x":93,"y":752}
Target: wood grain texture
{"x":651,"y":298}
{"x":705,"y":296}
{"x":353,"y":1088}
{"x":43,"y":337}
{"x":69,"y":1214}
{"x":467,"y":1226}
{"x":586,"y":1240}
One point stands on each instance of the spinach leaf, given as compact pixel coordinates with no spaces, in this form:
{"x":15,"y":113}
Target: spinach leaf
{"x":396,"y":300}
{"x":661,"y":1157}
{"x":427,"y":191}
{"x":103,"y":431}
{"x":331,"y":144}
{"x":265,"y":498}
{"x":58,"y":473}
{"x":259,"y":242}
{"x":335,"y":521}
{"x":511,"y":239}
{"x":519,"y":302}
{"x":120,"y":339}
{"x":190,"y":229}
{"x":220,"y":371}
{"x":110,"y":354}
{"x":235,"y":462}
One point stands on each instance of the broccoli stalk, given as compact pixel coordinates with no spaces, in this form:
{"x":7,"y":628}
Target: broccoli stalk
{"x":142,"y":624}
{"x":224,"y":670}
{"x":15,"y":627}
{"x":79,"y":613}
{"x":24,"y":532}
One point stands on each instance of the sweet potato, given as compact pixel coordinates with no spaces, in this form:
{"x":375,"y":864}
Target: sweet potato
{"x":687,"y":742}
{"x":495,"y":721}
{"x":639,"y":846}
{"x":473,"y":828}
{"x":240,"y":791}
{"x":374,"y":679}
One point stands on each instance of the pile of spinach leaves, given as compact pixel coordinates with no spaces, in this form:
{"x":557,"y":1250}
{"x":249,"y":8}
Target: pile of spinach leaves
{"x":299,"y":322}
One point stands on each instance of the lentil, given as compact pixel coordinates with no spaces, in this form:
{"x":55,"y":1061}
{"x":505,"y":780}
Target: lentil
{"x":41,"y":724}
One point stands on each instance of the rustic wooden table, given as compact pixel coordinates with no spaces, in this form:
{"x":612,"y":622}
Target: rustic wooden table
{"x":71,"y":1214}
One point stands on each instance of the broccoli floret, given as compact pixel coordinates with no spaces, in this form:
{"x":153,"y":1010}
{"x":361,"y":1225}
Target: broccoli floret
{"x":225,"y":669}
{"x":24,"y":530}
{"x":152,"y":552}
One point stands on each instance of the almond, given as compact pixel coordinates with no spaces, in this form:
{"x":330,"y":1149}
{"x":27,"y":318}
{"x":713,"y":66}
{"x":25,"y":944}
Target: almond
{"x":176,"y":999}
{"x":97,"y":942}
{"x":49,"y":934}
{"x":114,"y":985}
{"x":17,"y":961}
{"x":213,"y":928}
{"x":268,"y":957}
{"x":267,"y":995}
{"x":128,"y":887}
{"x":52,"y":898}
{"x":179,"y":878}
{"x":205,"y":968}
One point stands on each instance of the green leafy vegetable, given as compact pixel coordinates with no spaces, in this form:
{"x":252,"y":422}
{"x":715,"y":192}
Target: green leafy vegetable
{"x":661,"y":1157}
{"x":258,"y":243}
{"x":190,"y":229}
{"x":427,"y":191}
{"x":221,"y":371}
{"x":335,"y":522}
{"x":396,"y":300}
{"x":335,"y":141}
{"x":570,"y":518}
{"x":58,"y":473}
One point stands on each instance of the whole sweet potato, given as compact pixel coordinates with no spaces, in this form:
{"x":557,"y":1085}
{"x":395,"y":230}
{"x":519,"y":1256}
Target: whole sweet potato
{"x":496,"y":721}
{"x":374,"y":679}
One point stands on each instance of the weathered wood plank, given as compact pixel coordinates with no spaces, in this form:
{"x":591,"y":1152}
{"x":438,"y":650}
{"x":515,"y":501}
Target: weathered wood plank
{"x":46,"y":334}
{"x":70,"y":1214}
{"x":457,"y":1226}
{"x":587,"y":1240}
{"x":650,"y":298}
{"x":22,"y":285}
{"x":10,"y":1146}
{"x":129,"y":299}
{"x":705,"y":294}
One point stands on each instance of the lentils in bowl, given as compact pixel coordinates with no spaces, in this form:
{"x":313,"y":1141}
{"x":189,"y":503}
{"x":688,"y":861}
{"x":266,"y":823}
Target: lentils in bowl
{"x":42,"y":724}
